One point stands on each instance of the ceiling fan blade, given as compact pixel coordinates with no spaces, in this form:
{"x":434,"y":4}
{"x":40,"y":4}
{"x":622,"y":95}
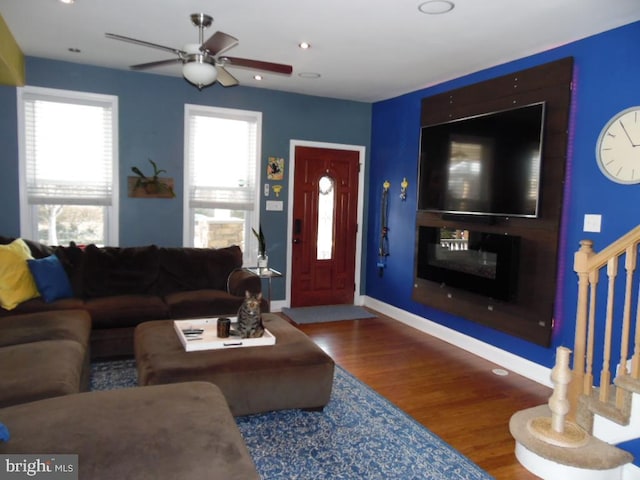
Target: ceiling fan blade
{"x":259,"y":65}
{"x":225,"y":78}
{"x":218,"y":43}
{"x":143,"y":43}
{"x":160,"y":63}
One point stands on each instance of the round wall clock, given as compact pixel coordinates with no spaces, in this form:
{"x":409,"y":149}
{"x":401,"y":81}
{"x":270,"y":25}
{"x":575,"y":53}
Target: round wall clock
{"x":618,"y":147}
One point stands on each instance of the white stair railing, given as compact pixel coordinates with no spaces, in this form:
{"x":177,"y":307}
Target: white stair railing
{"x":588,"y":265}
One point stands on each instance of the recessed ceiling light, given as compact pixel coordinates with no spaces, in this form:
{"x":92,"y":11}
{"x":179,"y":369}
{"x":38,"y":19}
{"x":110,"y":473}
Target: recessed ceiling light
{"x":309,"y":75}
{"x":257,"y":77}
{"x":436,"y":7}
{"x":304,"y":45}
{"x":68,"y":2}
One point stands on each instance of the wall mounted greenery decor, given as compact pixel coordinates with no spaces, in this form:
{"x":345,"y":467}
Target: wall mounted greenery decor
{"x":153,"y":186}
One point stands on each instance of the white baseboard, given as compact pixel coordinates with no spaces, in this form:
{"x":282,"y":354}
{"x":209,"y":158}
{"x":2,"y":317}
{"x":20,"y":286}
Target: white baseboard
{"x":277,"y":305}
{"x":506,"y":360}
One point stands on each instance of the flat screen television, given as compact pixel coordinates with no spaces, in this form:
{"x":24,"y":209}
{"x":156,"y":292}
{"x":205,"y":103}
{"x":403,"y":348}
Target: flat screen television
{"x":487,"y":164}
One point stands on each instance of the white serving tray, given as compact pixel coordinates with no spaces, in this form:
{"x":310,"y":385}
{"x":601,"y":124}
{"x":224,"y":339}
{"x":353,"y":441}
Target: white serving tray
{"x":209,"y":339}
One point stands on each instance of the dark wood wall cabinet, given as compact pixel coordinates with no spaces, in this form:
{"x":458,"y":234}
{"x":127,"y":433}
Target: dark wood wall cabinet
{"x":507,"y":280}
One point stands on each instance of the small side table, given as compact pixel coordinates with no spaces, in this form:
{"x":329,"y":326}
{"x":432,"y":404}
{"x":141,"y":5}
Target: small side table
{"x":267,"y":273}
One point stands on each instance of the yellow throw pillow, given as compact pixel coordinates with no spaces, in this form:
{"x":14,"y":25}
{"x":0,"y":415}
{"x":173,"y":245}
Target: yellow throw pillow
{"x":16,"y":282}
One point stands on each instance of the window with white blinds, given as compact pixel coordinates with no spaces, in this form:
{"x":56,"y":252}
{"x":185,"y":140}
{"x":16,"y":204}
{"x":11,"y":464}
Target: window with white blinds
{"x":222,"y":151}
{"x":68,"y":166}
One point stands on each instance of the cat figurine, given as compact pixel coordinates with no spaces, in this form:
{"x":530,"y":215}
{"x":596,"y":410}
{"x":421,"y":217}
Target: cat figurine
{"x":249,"y":317}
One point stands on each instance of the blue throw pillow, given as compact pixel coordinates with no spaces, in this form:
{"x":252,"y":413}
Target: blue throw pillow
{"x":50,"y":278}
{"x":4,"y":433}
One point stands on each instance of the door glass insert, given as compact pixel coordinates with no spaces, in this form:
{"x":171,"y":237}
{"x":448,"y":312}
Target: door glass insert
{"x":326,"y":196}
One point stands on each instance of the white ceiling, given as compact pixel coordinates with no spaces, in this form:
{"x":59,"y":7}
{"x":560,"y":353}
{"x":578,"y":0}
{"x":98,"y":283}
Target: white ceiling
{"x":365,"y":51}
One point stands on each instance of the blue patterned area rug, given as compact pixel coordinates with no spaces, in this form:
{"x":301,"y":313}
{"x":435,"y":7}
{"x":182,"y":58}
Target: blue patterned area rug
{"x":358,"y":436}
{"x":113,"y":374}
{"x":326,"y":313}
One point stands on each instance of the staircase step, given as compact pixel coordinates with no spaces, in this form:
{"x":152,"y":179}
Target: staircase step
{"x":628,"y":383}
{"x":608,"y":409}
{"x":595,"y":455}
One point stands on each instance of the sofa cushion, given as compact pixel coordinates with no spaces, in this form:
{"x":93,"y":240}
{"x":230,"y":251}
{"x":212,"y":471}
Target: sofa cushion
{"x":119,"y":271}
{"x":38,"y":250}
{"x":39,"y":305}
{"x":33,"y":371}
{"x":202,"y":303}
{"x":243,"y":280}
{"x":125,"y":310}
{"x":72,"y":259}
{"x":183,"y":269}
{"x":182,"y":431}
{"x":53,"y":325}
{"x":16,"y":281}
{"x":50,"y":278}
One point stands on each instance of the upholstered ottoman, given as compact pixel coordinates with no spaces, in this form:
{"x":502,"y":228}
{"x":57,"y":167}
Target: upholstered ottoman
{"x":172,"y":432}
{"x":293,"y":373}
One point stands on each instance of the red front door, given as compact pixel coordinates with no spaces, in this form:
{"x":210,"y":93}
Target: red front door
{"x":325,"y":201}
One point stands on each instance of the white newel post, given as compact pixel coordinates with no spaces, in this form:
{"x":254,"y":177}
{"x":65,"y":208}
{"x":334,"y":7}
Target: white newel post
{"x":560,"y":377}
{"x":557,"y":430}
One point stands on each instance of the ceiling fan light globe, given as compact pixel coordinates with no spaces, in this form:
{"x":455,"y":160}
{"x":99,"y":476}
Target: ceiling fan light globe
{"x":199,"y":73}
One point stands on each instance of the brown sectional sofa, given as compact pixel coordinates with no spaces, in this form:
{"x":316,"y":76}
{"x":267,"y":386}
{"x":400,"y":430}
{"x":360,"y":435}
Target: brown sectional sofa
{"x":123,"y":287}
{"x":181,"y":431}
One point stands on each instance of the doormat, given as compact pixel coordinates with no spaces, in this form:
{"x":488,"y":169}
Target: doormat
{"x":326,"y":313}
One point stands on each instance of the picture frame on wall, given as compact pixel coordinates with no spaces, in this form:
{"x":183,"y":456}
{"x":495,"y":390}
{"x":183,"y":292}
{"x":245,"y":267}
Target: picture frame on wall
{"x":275,"y":168}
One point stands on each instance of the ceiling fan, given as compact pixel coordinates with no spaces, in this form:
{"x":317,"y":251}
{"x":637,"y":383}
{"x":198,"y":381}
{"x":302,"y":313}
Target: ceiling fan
{"x":202,"y":63}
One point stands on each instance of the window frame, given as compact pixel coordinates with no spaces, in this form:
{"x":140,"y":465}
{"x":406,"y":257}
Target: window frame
{"x":252,"y":217}
{"x":28,"y":213}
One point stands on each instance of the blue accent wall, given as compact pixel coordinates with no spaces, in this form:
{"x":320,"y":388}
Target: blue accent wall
{"x":605,"y":81}
{"x":151,"y":125}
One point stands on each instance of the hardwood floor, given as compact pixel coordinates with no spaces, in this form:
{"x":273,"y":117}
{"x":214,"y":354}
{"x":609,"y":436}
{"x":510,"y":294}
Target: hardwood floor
{"x":450,"y":391}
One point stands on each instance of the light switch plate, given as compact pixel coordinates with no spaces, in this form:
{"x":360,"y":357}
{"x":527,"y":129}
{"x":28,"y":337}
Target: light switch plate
{"x":592,"y":223}
{"x":266,"y":189}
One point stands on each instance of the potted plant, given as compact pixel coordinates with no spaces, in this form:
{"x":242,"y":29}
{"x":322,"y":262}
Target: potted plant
{"x":263,"y":259}
{"x":152,"y":185}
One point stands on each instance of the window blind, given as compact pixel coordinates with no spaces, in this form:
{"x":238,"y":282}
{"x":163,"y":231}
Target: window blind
{"x":69,"y":150}
{"x":222,"y":156}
